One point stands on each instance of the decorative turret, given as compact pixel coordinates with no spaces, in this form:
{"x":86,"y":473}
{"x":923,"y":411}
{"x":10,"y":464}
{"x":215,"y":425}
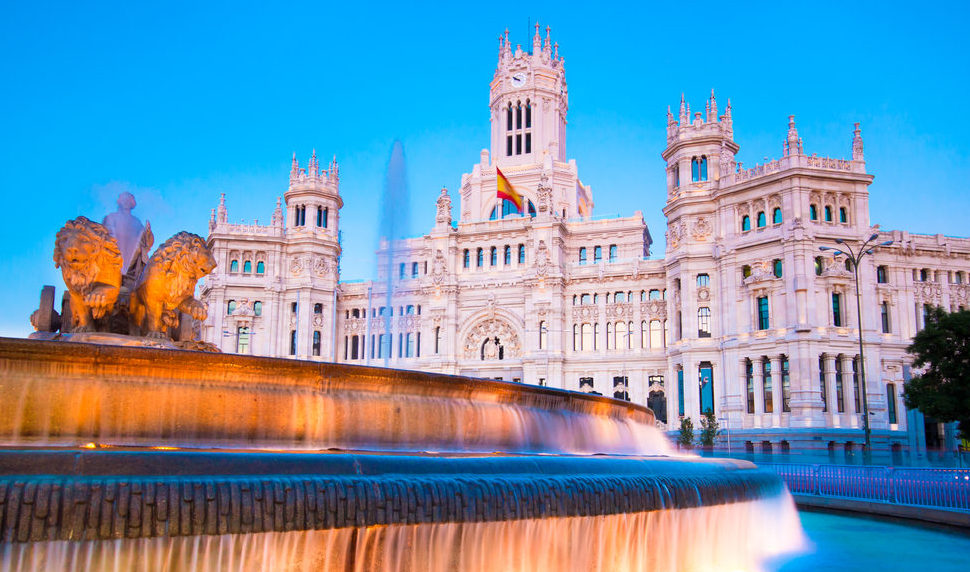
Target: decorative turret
{"x":529,"y":102}
{"x":222,"y":215}
{"x":700,"y":150}
{"x":313,"y":197}
{"x":278,"y":213}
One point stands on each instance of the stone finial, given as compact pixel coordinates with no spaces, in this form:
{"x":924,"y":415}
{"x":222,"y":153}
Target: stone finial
{"x":536,"y":41}
{"x":683,"y":111}
{"x":555,"y":51}
{"x":277,"y":219}
{"x":546,"y":47}
{"x":793,"y":144}
{"x":295,"y":167}
{"x":222,"y":215}
{"x":712,"y":108}
{"x":313,"y":167}
{"x":212,"y":220}
{"x":334,"y":168}
{"x":857,"y":154}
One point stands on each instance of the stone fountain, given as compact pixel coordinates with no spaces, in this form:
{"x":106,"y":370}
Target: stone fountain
{"x":116,"y":457}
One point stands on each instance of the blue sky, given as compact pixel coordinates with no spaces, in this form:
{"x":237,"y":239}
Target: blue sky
{"x":178,"y":103}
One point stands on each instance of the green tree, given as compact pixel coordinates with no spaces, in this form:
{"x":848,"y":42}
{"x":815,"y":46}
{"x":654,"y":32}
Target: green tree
{"x":710,"y":429}
{"x":686,"y":437}
{"x":942,"y":391}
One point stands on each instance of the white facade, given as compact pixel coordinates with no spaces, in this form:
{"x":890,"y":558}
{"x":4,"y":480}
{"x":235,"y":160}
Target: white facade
{"x":744,"y":314}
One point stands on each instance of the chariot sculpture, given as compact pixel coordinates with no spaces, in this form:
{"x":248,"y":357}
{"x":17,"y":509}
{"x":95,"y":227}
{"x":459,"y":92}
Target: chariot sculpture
{"x":117,"y":293}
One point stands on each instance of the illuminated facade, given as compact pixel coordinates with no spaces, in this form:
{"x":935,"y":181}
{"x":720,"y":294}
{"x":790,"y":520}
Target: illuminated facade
{"x":743,"y":315}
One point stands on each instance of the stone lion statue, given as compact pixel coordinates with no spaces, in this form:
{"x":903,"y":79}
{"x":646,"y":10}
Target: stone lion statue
{"x":90,"y":262}
{"x":167,"y":285}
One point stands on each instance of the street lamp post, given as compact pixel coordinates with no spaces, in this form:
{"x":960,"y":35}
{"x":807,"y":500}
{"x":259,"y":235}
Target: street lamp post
{"x":855,"y":258}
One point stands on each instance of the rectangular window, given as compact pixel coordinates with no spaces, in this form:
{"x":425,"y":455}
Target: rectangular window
{"x":705,"y":379}
{"x":855,"y":384}
{"x":319,"y":216}
{"x":680,"y":392}
{"x":884,"y":312}
{"x":882,"y":274}
{"x":821,"y":383}
{"x":582,"y":255}
{"x":242,"y":340}
{"x":837,"y":310}
{"x":518,"y":144}
{"x":891,"y":402}
{"x":620,"y":388}
{"x":521,"y":254}
{"x":586,"y":384}
{"x":437,"y":340}
{"x":703,"y":322}
{"x":316,"y":342}
{"x":414,"y":270}
{"x":597,"y":254}
{"x":612,"y":253}
{"x":402,"y":271}
{"x":703,"y":280}
{"x":785,"y":385}
{"x":766,"y":373}
{"x":763,"y":317}
{"x":839,"y":392}
{"x":292,"y":342}
{"x":749,"y":383}
{"x":528,"y":142}
{"x":508,"y":145}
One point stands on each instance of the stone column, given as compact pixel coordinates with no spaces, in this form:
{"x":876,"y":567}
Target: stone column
{"x":833,"y":401}
{"x":776,"y":390}
{"x":759,"y":391}
{"x":848,"y":385}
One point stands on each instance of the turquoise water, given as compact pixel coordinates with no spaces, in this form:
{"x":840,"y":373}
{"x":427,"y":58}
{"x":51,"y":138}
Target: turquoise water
{"x":849,"y":543}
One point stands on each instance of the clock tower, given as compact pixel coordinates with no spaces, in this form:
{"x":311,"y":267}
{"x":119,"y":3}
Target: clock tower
{"x":528,"y":102}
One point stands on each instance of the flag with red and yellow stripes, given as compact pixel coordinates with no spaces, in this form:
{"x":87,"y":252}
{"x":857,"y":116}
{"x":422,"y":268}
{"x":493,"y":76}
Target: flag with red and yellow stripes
{"x":507,"y":191}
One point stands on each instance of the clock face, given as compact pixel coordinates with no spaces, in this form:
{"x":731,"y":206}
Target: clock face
{"x":518,"y":79}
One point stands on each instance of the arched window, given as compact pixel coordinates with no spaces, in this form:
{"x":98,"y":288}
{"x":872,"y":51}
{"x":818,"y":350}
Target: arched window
{"x":777,"y":267}
{"x":507,"y":257}
{"x":610,"y":340}
{"x":528,"y":114}
{"x":508,"y":114}
{"x":656,"y":335}
{"x":843,"y":215}
{"x":231,"y":307}
{"x":521,"y":254}
{"x":582,"y":255}
{"x":531,"y":207}
{"x":585,"y":300}
{"x":655,"y":294}
{"x":586,"y":344}
{"x":622,"y":336}
{"x":761,"y":219}
{"x":703,"y":167}
{"x":247,"y":266}
{"x":493,"y":256}
{"x":597,"y":254}
{"x":518,"y":115}
{"x":414,"y":270}
{"x":745,"y":223}
{"x":703,"y":322}
{"x":506,"y":208}
{"x":257,"y":308}
{"x":828,"y":213}
{"x":543,"y":335}
{"x":612,"y":253}
{"x":695,"y":169}
{"x":260,"y":267}
{"x":922,"y":275}
{"x":480,"y":258}
{"x":813,"y":212}
{"x":234,"y":266}
{"x":776,"y":216}
{"x":466,"y":259}
{"x":319,"y":216}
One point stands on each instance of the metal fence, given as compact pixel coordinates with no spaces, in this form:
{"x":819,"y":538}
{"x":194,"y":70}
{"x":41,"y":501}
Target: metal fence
{"x":940,"y":488}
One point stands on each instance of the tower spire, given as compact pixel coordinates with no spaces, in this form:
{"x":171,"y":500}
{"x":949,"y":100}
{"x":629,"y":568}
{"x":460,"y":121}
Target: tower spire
{"x":295,"y":168}
{"x":536,"y":41}
{"x":683,"y":111}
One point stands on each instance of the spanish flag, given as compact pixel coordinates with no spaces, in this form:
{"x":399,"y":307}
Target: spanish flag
{"x":507,"y":191}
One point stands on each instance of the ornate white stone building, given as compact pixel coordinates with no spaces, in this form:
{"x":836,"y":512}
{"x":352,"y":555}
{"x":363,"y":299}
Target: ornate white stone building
{"x":744,"y":314}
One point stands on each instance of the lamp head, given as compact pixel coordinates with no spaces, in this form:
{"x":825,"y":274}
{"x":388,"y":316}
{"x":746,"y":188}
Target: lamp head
{"x":839,"y":241}
{"x":887,"y":243}
{"x":824,"y":248}
{"x":874,"y":236}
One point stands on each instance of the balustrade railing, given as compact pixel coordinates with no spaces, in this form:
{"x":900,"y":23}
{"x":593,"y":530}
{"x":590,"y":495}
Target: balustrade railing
{"x":941,"y":488}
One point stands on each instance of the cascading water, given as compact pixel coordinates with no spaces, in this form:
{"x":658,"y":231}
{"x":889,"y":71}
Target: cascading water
{"x":449,"y":474}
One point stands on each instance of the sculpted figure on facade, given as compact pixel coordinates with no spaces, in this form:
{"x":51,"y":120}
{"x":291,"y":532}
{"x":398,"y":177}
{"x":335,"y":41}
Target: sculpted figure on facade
{"x":168,"y":284}
{"x":444,"y":208}
{"x":90,"y":263}
{"x":438,"y":268}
